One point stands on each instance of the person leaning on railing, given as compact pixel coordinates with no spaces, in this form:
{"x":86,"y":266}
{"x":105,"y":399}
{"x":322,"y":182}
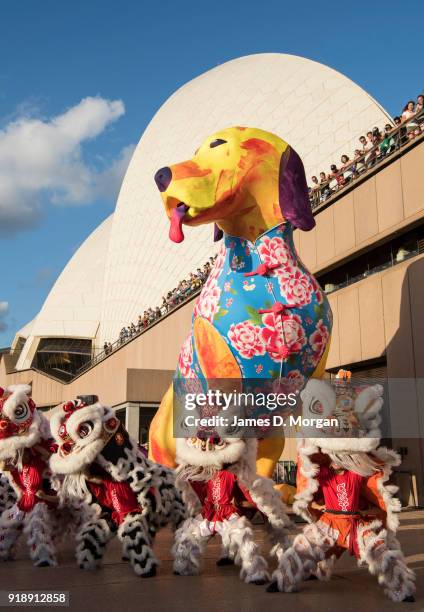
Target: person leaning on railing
{"x":314,"y":193}
{"x":348,"y":167}
{"x":324,"y":186}
{"x":419,"y":114}
{"x":336,"y":178}
{"x":408,"y":114}
{"x":413,"y":117}
{"x":388,"y":144}
{"x":374,"y":138}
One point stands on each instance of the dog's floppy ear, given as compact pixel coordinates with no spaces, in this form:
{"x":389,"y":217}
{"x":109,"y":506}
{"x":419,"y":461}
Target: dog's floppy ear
{"x":293,"y":191}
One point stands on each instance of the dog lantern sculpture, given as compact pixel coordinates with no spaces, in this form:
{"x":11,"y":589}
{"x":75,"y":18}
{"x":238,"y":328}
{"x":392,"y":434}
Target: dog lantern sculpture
{"x":261,"y":314}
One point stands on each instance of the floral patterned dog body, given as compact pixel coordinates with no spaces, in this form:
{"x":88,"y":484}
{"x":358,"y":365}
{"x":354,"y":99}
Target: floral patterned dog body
{"x":248,"y":279}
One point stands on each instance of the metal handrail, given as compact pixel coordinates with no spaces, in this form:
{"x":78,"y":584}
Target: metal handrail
{"x":371,"y":271}
{"x":397,"y":138}
{"x":121,"y":341}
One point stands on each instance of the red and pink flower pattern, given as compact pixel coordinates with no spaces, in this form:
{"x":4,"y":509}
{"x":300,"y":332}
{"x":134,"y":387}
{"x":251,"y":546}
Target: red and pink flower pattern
{"x":295,"y":285}
{"x":317,"y":290}
{"x":245,"y":338}
{"x":185,"y":359}
{"x":219,"y":263}
{"x":318,"y":340}
{"x":273,"y":251}
{"x":282,"y":338}
{"x":207,"y":304}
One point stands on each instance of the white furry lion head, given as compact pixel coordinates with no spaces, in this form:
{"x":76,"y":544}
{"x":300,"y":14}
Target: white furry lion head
{"x":212,"y":451}
{"x":355,"y":409}
{"x":21,"y":426}
{"x":81,"y":432}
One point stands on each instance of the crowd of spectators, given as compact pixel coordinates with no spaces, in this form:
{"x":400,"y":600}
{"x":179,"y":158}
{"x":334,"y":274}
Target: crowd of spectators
{"x":183,"y":291}
{"x":373,"y":147}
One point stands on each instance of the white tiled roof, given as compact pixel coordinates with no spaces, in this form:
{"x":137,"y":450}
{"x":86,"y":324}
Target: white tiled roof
{"x":73,"y":307}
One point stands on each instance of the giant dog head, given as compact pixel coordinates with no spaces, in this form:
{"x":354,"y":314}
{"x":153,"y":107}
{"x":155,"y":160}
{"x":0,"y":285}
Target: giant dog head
{"x":243,"y":179}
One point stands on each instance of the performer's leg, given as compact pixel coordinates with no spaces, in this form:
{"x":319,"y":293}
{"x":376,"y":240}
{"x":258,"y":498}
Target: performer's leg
{"x":189,"y":545}
{"x":11,"y":522}
{"x":137,"y":545}
{"x":91,"y":538}
{"x":381,"y":552}
{"x":237,"y":539}
{"x":325,"y":568}
{"x":7,"y":494}
{"x":226,"y":557}
{"x":172,"y":509}
{"x":268,"y":501}
{"x":39,"y":530}
{"x":308,"y":549}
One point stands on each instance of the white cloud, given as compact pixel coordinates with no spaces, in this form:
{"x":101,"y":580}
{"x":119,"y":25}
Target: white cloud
{"x":42,"y":160}
{"x":4,"y":311}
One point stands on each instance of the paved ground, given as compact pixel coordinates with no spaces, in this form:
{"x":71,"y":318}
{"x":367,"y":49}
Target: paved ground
{"x":115,"y":587}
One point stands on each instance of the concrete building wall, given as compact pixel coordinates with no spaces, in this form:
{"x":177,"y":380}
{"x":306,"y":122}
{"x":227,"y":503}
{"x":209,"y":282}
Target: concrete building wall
{"x":139,"y":371}
{"x":382,"y":204}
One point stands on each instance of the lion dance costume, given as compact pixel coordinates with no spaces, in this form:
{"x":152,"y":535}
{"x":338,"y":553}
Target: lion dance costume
{"x":217,"y":477}
{"x":343,"y":493}
{"x":25,"y":449}
{"x":111,"y":486}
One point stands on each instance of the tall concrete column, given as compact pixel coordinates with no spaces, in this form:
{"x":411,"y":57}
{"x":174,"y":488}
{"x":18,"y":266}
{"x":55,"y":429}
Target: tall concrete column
{"x":132,"y":419}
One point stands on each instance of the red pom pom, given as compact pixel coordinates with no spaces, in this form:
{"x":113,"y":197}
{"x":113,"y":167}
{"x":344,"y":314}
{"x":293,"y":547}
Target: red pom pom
{"x":111,"y":424}
{"x":1,"y":391}
{"x":69,"y":407}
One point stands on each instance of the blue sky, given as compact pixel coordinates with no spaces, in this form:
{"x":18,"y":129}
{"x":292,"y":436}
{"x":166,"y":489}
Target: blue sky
{"x":126,"y":58}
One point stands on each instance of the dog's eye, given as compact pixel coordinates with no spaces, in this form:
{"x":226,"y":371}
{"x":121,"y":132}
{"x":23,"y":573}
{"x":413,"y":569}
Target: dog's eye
{"x":217,"y":142}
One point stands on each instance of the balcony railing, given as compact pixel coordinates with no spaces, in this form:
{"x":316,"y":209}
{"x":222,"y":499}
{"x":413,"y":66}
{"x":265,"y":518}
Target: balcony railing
{"x":350,"y":280}
{"x":392,"y":142}
{"x":122,"y":340}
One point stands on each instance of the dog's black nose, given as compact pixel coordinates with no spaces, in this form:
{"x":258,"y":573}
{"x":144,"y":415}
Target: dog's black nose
{"x":163,"y":177}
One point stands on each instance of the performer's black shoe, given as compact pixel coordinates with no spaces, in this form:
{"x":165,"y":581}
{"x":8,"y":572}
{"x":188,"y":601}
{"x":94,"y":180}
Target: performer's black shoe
{"x":150,"y":573}
{"x":311,"y":577}
{"x":272,"y":588}
{"x":43,"y":564}
{"x":260,"y":581}
{"x":409,"y":599}
{"x":224,"y":561}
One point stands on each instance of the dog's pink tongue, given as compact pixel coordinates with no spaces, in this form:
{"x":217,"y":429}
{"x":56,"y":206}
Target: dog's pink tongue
{"x":175,"y":231}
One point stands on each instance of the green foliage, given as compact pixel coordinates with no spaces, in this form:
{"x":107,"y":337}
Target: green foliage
{"x":254,"y":315}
